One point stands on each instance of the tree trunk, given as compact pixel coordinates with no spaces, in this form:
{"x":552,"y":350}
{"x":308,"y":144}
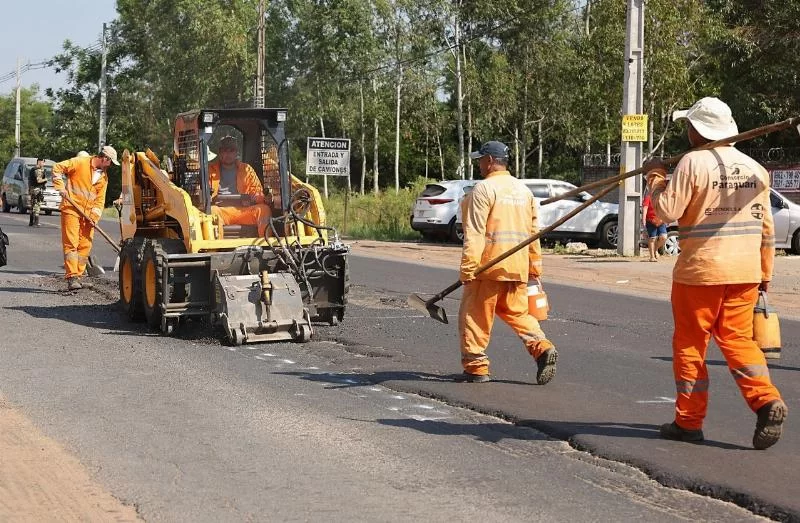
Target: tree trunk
{"x":397,"y":130}
{"x":459,"y":94}
{"x":516,"y":151}
{"x":375,"y":162}
{"x":541,"y":146}
{"x":426,"y":154}
{"x":322,"y":131}
{"x":441,"y":155}
{"x":363,"y":140}
{"x":469,"y":127}
{"x":523,"y":173}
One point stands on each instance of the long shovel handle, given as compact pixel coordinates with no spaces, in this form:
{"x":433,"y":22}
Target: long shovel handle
{"x":101,"y":231}
{"x":532,"y":238}
{"x":747,"y":135}
{"x":611,"y":183}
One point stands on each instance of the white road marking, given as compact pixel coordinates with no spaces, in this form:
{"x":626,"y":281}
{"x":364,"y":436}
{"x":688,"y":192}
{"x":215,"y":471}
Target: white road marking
{"x":661,"y":399}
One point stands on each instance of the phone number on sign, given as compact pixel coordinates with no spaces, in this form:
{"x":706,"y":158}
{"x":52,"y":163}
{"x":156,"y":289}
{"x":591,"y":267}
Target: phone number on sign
{"x":786,"y":179}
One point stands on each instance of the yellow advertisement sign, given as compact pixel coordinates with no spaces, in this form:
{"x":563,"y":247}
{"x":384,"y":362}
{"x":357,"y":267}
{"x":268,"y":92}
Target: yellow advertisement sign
{"x":634,"y":128}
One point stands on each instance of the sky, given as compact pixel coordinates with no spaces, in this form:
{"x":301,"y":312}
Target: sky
{"x":35,"y":30}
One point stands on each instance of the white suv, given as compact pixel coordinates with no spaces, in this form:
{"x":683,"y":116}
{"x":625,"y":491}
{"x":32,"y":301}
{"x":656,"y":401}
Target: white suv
{"x":596,"y":225}
{"x":435,"y":209}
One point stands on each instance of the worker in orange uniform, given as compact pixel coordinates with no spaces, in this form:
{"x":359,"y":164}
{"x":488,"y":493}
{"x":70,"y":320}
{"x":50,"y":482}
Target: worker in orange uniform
{"x":84,"y":179}
{"x":498,"y":214}
{"x":229,"y":176}
{"x":720,"y":198}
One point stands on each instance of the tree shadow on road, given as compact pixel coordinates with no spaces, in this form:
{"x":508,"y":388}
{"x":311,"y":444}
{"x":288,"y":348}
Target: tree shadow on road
{"x":29,"y":290}
{"x":722,"y":363}
{"x":107,"y":316}
{"x":561,"y":430}
{"x":346,"y":380}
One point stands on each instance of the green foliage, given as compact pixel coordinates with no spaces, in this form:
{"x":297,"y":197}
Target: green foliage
{"x":524,"y":63}
{"x":382,"y":217}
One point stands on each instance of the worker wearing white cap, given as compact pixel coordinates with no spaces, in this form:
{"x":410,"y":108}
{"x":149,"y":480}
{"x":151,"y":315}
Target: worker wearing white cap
{"x":720,"y":198}
{"x":85,"y":180}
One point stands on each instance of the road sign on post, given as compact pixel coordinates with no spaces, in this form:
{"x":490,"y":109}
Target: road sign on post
{"x":328,"y":157}
{"x":634,"y":128}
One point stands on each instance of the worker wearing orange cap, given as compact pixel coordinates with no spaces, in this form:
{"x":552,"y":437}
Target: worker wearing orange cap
{"x":720,"y":198}
{"x":85,"y":180}
{"x":230,"y":176}
{"x":499,"y":213}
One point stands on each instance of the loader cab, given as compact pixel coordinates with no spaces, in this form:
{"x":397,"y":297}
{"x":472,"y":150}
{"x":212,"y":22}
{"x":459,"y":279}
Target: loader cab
{"x":261,"y":137}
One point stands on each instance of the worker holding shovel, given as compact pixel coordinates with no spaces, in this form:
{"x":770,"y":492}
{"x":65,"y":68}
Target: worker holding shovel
{"x":720,"y":198}
{"x":82,"y":183}
{"x":499,"y":213}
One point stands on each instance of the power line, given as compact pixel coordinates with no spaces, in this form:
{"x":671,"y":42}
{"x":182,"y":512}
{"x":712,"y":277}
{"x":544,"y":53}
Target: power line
{"x":44,"y":64}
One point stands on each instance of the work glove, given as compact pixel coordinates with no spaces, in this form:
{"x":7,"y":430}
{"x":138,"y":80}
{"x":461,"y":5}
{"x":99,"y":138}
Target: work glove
{"x":764,"y":286}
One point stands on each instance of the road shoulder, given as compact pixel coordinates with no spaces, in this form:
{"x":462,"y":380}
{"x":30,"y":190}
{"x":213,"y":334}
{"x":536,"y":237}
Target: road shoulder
{"x":598,"y":270}
{"x":40,"y":481}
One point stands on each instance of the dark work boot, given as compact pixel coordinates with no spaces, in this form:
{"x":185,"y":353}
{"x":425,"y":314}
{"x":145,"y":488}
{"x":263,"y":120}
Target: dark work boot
{"x":466,"y":377}
{"x":673,"y":431}
{"x":73,"y":284}
{"x":769,"y":424}
{"x":546,"y":366}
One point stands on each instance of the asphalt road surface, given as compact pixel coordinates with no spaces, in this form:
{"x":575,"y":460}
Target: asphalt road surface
{"x":364,"y":423}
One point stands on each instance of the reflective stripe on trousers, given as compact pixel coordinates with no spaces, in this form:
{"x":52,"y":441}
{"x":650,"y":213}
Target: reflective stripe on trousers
{"x":76,"y":239}
{"x":726,"y":312}
{"x":481,"y":300}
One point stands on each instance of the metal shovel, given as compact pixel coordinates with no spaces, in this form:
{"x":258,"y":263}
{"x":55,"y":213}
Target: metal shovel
{"x":92,"y":267}
{"x":438,"y":313}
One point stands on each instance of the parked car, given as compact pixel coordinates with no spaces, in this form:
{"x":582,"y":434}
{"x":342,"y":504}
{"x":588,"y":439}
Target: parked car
{"x":785,"y":215}
{"x":14,"y":186}
{"x":435,"y":209}
{"x":596,"y":225}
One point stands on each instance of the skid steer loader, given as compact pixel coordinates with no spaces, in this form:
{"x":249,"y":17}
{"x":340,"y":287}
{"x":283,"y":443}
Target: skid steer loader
{"x":179,"y":260}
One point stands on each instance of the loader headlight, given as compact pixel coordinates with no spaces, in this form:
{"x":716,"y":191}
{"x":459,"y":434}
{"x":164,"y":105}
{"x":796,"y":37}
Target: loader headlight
{"x":209,"y":117}
{"x":281,"y":116}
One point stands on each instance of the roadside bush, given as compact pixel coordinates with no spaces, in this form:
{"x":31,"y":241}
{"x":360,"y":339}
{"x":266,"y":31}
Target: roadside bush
{"x":385,"y":216}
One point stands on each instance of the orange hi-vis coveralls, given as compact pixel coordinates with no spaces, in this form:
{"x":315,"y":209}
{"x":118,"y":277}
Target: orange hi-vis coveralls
{"x":87,"y":188}
{"x":720,"y":198}
{"x":498,"y":214}
{"x":247,"y":182}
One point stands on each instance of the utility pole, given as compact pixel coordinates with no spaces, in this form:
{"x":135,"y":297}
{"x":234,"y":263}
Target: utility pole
{"x":258,"y":97}
{"x":102,"y":130}
{"x":17,"y":117}
{"x":630,"y":194}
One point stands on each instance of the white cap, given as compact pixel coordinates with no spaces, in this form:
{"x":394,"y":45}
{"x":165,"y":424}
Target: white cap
{"x":110,"y":153}
{"x":711,"y":117}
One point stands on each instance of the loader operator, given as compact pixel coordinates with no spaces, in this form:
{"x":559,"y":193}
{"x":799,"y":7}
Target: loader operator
{"x":499,"y":213}
{"x":37,"y":180}
{"x":85,"y":180}
{"x":720,"y":198}
{"x":229,"y":176}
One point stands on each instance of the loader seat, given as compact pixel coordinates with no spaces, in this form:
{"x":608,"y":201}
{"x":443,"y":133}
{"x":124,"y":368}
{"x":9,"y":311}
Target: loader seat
{"x":239,"y":231}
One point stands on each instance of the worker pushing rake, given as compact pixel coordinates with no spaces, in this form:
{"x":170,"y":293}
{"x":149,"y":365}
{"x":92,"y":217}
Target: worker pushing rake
{"x":500,"y":212}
